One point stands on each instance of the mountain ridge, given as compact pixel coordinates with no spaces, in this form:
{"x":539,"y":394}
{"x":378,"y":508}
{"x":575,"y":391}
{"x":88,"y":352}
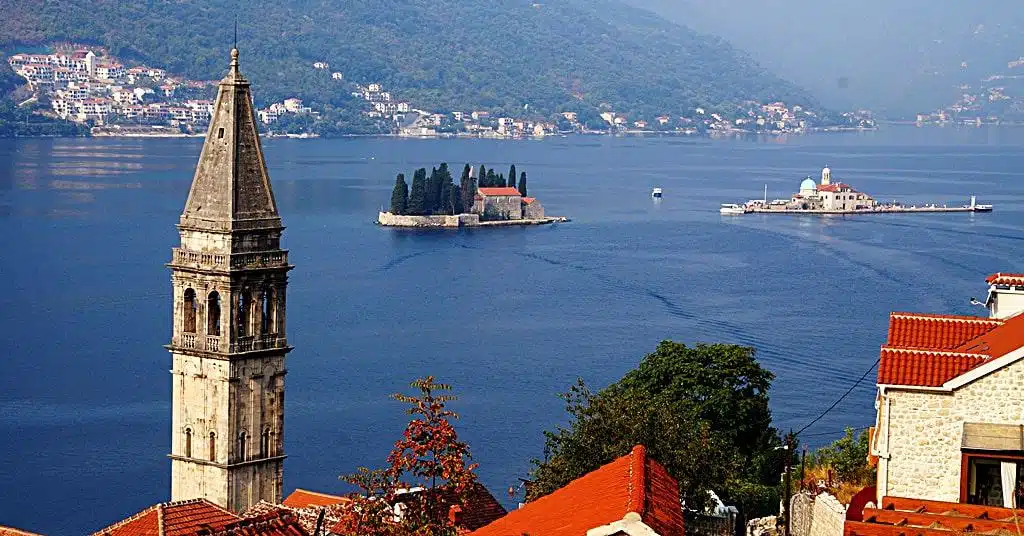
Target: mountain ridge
{"x":441,"y":54}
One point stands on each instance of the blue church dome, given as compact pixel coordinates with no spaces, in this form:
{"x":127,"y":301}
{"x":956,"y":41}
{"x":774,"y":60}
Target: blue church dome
{"x":808,"y":184}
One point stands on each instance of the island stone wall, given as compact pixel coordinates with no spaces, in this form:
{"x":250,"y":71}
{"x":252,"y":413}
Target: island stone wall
{"x":396,"y":220}
{"x":920,"y":433}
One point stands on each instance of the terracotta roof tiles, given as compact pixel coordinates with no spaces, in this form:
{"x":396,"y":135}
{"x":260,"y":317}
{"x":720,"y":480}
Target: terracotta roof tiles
{"x":499,"y":191}
{"x":936,"y":332}
{"x":633,"y":484}
{"x":11,"y":531}
{"x":899,"y":366}
{"x":172,"y":519}
{"x":301,"y":498}
{"x":1000,"y":278}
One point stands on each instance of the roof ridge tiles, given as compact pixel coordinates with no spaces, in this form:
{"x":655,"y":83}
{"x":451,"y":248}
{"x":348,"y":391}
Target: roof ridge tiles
{"x":929,"y":351}
{"x":637,"y":480}
{"x":933,"y":316}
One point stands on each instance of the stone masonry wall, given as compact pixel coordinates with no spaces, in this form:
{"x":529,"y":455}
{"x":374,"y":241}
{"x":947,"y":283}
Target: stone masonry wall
{"x":924,"y":432}
{"x":816,"y":516}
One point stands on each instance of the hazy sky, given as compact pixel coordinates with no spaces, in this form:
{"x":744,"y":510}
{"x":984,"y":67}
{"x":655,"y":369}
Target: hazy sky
{"x":899,"y":55}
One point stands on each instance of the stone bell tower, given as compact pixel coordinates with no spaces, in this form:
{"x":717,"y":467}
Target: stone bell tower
{"x":228,"y":347}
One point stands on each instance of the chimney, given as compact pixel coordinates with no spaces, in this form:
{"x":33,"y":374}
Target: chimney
{"x":1005,"y":295}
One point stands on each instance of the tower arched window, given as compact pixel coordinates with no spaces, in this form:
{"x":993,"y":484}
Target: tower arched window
{"x":265,"y":444}
{"x":241,"y":446}
{"x":188,"y":442}
{"x":190,"y":307}
{"x":213,"y":446}
{"x":242,"y":326}
{"x":269,"y":321}
{"x":213,"y":314}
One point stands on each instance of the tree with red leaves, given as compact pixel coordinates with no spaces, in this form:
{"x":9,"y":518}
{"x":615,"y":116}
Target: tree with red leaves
{"x":428,"y":477}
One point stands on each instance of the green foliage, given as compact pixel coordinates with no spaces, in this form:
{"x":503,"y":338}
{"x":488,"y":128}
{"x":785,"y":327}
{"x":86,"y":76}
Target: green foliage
{"x":512,"y":176}
{"x":418,"y":193}
{"x":847,"y":456}
{"x":467,"y":189}
{"x":522,"y":184}
{"x":568,"y":54}
{"x":492,"y":179}
{"x":702,"y":412}
{"x":400,"y":195}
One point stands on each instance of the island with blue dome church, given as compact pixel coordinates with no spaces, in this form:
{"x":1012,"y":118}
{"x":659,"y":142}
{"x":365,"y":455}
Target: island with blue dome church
{"x":828,"y":197}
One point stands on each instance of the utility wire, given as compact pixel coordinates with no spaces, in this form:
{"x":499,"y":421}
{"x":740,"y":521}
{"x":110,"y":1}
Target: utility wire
{"x":836,"y":403}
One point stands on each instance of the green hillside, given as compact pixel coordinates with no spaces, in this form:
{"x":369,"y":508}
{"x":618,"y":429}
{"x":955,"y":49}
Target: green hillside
{"x":439,"y":54}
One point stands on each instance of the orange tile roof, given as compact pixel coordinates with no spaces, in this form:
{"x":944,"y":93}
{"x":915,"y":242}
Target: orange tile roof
{"x":901,"y":366}
{"x":499,"y":191}
{"x":936,"y":332}
{"x":11,"y":531}
{"x":278,"y":523}
{"x":529,"y":200}
{"x":998,"y":342}
{"x":633,"y":483}
{"x":301,"y":498}
{"x":1000,"y":278}
{"x":915,"y":517}
{"x":180,"y":518}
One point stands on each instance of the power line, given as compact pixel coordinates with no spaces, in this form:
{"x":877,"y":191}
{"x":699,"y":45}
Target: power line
{"x":836,"y":432}
{"x":836,"y":403}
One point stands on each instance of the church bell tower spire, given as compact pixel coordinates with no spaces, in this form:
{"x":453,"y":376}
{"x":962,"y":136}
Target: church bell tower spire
{"x":228,"y":344}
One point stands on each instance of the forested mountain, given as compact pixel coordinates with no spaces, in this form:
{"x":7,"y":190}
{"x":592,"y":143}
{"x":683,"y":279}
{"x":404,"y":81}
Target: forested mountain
{"x":439,"y":54}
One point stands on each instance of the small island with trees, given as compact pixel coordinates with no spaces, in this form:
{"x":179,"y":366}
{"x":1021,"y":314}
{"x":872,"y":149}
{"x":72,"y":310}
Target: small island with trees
{"x":481,"y":198}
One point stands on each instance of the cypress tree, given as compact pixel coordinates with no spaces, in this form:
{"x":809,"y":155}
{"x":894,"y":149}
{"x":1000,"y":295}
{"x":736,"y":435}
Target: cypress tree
{"x":455,"y":199}
{"x":501,"y":180}
{"x":399,"y":195}
{"x":467,"y":190}
{"x":481,"y":176}
{"x":433,"y":191}
{"x":512,"y":176}
{"x":418,"y":193}
{"x":492,"y":179}
{"x":446,"y":194}
{"x":522,"y":184}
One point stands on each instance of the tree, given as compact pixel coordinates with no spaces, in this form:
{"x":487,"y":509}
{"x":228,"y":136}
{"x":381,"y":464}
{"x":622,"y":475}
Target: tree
{"x":399,"y":195}
{"x":492,"y":179}
{"x":454,"y":199}
{"x":467,"y":189}
{"x":444,"y":205}
{"x":433,"y":191}
{"x":512,"y":176}
{"x":522,"y":184}
{"x":418,"y":193}
{"x":481,"y":177}
{"x":701,"y":411}
{"x":429,"y":455}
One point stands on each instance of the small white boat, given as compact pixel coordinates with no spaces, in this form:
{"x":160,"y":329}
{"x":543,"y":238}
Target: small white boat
{"x":731,"y":209}
{"x":656,"y":193}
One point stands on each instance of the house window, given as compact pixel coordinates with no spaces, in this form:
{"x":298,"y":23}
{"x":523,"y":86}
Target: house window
{"x":994,"y":481}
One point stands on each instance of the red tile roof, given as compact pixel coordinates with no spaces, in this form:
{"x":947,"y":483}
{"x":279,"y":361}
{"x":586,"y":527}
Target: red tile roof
{"x":835,"y":187}
{"x":1005,"y":279}
{"x":172,"y":519}
{"x":998,"y":342}
{"x":914,"y":517}
{"x":529,"y":200}
{"x":499,"y":191}
{"x":633,"y":483}
{"x":301,"y":498}
{"x":11,"y":531}
{"x":900,"y":366}
{"x":936,"y":332}
{"x":279,"y":523}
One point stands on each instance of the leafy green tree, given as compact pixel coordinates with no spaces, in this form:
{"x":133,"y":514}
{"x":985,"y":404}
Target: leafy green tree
{"x":433,"y":191}
{"x":848,"y":457}
{"x":418,"y":193}
{"x":481,"y":177}
{"x":512,"y":176}
{"x":454,"y":199}
{"x":399,"y":195}
{"x":446,"y":194}
{"x":501,"y":180}
{"x":522,"y":184}
{"x":467,"y":189}
{"x":702,"y":412}
{"x":492,"y":179}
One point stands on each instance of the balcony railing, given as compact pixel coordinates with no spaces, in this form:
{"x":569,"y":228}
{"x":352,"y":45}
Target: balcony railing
{"x":265,"y":342}
{"x":188,"y":340}
{"x":259,"y":260}
{"x":213,"y":344}
{"x":185,"y":257}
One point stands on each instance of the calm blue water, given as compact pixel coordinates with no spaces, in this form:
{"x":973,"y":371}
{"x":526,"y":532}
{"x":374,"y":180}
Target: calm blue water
{"x":509,"y":316}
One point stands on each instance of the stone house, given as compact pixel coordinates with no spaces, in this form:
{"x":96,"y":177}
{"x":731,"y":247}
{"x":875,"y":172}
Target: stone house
{"x":498,"y":204}
{"x":950,"y":404}
{"x":532,"y":209}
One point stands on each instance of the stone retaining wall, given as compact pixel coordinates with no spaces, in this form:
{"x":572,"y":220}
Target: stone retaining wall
{"x":395,"y":220}
{"x":823,"y":515}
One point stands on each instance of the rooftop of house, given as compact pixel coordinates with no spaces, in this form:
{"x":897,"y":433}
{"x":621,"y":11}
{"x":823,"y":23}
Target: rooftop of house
{"x":529,"y":200}
{"x":279,"y":523}
{"x":499,"y":191}
{"x":11,"y":531}
{"x":930,"y":350}
{"x":1005,"y":279}
{"x":915,"y":517}
{"x":632,"y":489}
{"x":301,"y":498}
{"x":836,"y":187}
{"x":179,"y":518}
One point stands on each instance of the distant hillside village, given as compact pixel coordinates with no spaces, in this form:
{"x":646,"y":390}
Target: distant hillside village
{"x":89,"y":86}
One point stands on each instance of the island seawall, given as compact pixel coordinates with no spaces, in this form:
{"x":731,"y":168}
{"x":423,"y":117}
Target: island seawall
{"x":388,"y":219}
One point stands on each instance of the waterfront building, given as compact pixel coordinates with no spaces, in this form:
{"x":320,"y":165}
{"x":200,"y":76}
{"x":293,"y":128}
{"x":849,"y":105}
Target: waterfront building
{"x":948,"y":438}
{"x":498,"y":204}
{"x":228,"y":345}
{"x":829,"y":196}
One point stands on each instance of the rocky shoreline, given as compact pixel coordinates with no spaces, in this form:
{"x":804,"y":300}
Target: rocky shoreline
{"x":387,"y":219}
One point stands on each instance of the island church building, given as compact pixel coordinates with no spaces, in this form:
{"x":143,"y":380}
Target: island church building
{"x":829,"y":195}
{"x":228,"y":347}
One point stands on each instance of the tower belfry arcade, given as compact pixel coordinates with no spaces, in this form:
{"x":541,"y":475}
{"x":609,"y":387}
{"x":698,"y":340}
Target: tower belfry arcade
{"x":228,"y":347}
